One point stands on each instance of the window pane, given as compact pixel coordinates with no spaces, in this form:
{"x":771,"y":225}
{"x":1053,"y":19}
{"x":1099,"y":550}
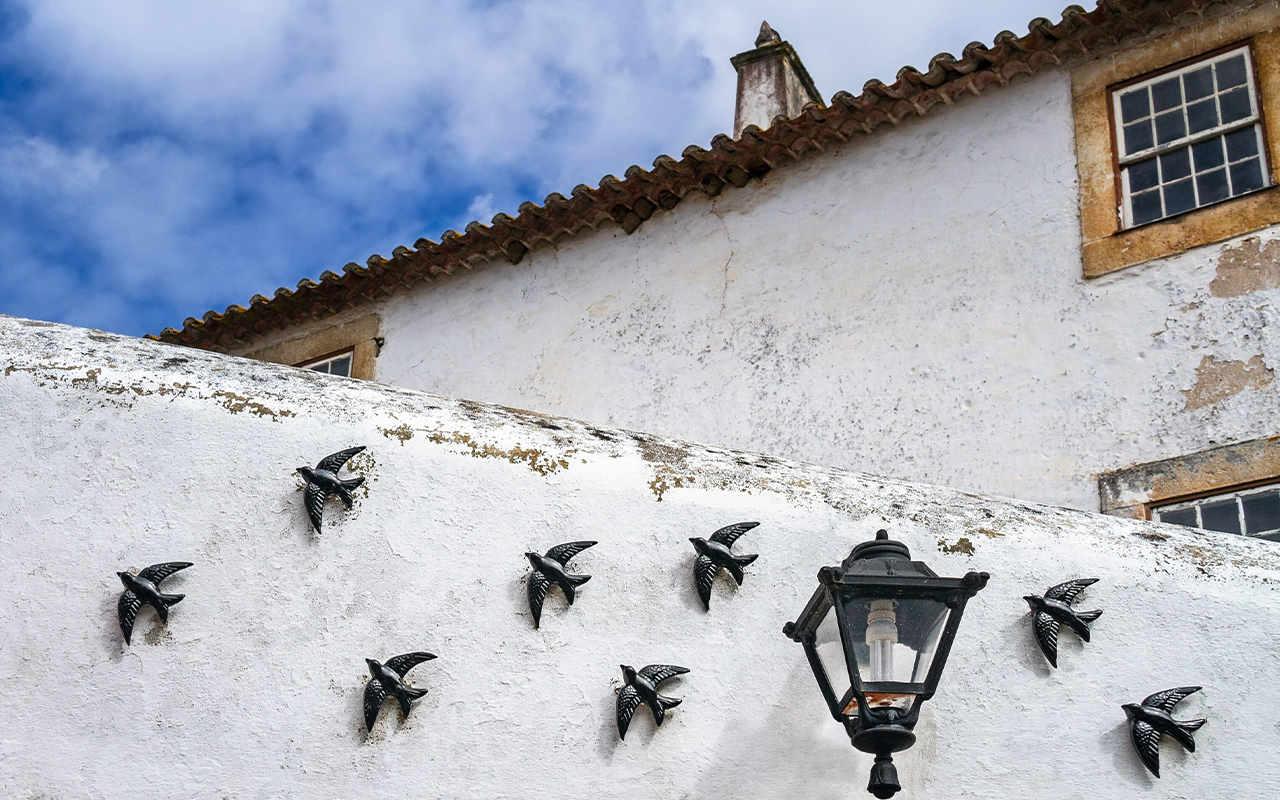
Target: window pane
{"x":1208,"y":154}
{"x":1146,"y":207}
{"x":321,"y":367}
{"x":1212,"y":186}
{"x":1179,"y":197}
{"x":1202,"y":116}
{"x":1222,"y":516}
{"x":1137,"y":137}
{"x":1235,"y":105}
{"x":1143,"y":176}
{"x":1230,"y":72}
{"x":1246,"y":176}
{"x":1171,"y":126}
{"x":1134,"y":105}
{"x":1199,"y":83}
{"x":1167,"y":94}
{"x":1242,"y":144}
{"x":1175,"y":165}
{"x":341,"y":366}
{"x":1186,"y":516}
{"x":1262,"y":512}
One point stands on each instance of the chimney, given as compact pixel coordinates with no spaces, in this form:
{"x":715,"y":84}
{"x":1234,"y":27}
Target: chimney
{"x":771,"y":82}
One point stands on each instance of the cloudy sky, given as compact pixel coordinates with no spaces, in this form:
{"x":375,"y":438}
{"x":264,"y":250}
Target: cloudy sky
{"x":160,"y":158}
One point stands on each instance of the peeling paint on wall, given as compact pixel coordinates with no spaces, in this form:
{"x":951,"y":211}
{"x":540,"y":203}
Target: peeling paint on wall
{"x":1218,"y":380}
{"x":1250,"y":266}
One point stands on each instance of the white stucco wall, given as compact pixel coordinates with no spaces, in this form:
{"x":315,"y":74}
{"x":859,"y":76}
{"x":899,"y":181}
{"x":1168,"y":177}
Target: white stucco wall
{"x":910,"y":304}
{"x":121,"y":453}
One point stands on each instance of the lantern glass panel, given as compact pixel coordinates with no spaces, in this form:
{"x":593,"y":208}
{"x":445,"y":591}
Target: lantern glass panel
{"x":831,"y":653}
{"x":895,"y":640}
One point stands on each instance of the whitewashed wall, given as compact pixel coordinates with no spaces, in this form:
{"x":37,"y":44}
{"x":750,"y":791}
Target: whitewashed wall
{"x":910,"y":304}
{"x":121,"y":453}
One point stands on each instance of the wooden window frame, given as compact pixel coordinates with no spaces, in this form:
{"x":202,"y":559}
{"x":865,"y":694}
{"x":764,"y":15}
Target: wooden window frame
{"x":1106,"y":245}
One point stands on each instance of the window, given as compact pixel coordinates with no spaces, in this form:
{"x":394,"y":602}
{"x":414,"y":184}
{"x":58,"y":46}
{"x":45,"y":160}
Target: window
{"x":1189,"y":138}
{"x":1252,"y":512}
{"x":339,"y":364}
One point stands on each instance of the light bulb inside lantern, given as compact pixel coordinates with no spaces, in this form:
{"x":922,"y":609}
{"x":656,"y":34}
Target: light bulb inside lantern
{"x":882,"y":635}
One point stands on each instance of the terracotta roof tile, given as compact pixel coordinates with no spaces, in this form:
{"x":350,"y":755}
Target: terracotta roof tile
{"x":641,"y":193}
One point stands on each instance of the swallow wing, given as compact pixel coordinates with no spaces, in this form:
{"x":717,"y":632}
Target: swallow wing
{"x":661,"y":672}
{"x":704,"y":574}
{"x":374,"y":694}
{"x":158,"y":572}
{"x":333,"y":463}
{"x":1047,"y":636}
{"x":566,"y":551}
{"x":628,"y":702}
{"x":730,"y":533}
{"x":402,"y":664}
{"x":1146,"y":740}
{"x":1066,"y":592}
{"x":127,"y":611}
{"x":1166,"y":700}
{"x":315,"y":504}
{"x":537,"y":587}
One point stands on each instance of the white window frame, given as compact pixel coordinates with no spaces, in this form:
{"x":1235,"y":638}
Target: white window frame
{"x":348,"y":354}
{"x":1126,"y":159}
{"x":1157,"y":512}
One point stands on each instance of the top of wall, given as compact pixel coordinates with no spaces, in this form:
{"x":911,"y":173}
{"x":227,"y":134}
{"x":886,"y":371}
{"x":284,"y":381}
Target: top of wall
{"x":122,"y":453}
{"x":730,"y":162}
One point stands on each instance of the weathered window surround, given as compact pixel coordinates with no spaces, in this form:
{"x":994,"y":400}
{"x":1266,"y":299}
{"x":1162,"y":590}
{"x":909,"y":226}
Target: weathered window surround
{"x":1134,"y":491}
{"x":1107,"y":246}
{"x":358,"y":336}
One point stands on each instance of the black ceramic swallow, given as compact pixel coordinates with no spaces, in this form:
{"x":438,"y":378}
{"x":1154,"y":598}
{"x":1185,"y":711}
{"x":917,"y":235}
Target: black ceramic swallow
{"x":388,"y":679}
{"x":1054,"y":609}
{"x":714,"y":555}
{"x":324,"y":481}
{"x":642,"y":687}
{"x":1150,"y":720}
{"x":144,"y":589}
{"x":552,"y":569}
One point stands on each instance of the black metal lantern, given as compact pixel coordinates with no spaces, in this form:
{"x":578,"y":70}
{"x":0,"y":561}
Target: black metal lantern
{"x":877,"y":632}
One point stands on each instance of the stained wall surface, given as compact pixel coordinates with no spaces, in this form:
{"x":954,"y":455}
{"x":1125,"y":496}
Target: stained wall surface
{"x":910,"y":304}
{"x":122,"y":453}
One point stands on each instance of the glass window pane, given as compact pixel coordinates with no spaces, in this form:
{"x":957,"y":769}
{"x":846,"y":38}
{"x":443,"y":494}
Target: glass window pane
{"x":1235,"y":105}
{"x":1175,"y":165}
{"x":1212,"y":186}
{"x":1202,"y":116}
{"x":1179,"y":197}
{"x":1262,"y":512}
{"x":1185,"y":516}
{"x":1242,"y":144}
{"x":1230,"y":72}
{"x":831,"y":653}
{"x":1208,"y":154}
{"x":1134,"y":105}
{"x":1144,"y":175}
{"x":341,"y":366}
{"x":321,"y":367}
{"x":1198,"y":84}
{"x":1137,"y":137}
{"x":1146,"y":207}
{"x":1167,"y":93}
{"x":1170,"y":126}
{"x":1246,"y":176}
{"x":1222,"y":516}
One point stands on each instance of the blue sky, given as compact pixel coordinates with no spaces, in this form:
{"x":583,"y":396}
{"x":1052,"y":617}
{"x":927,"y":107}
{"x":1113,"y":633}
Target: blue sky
{"x":161,"y":158}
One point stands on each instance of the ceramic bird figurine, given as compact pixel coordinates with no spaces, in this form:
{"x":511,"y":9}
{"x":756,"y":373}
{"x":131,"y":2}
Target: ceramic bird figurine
{"x":1054,"y":610}
{"x":552,"y":569}
{"x":388,"y":679}
{"x":642,"y":687}
{"x":714,"y":555}
{"x":324,"y":481}
{"x":143,"y":589}
{"x":1150,"y":720}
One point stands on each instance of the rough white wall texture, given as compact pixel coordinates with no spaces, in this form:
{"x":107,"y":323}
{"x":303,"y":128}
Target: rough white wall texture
{"x":121,"y":453}
{"x":911,"y":304}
